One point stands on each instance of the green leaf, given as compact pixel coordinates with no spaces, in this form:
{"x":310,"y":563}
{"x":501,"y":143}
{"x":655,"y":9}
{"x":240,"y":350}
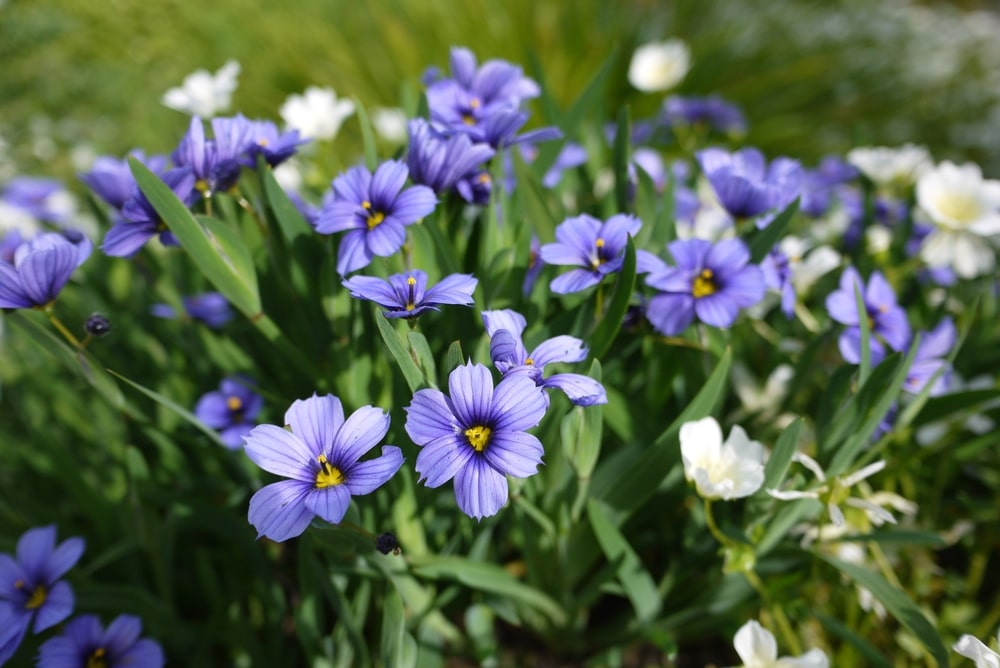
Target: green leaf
{"x":897,"y":604}
{"x":591,"y":96}
{"x":789,"y":514}
{"x":455,"y":356}
{"x":490,"y":578}
{"x":290,"y":221}
{"x":411,"y":372}
{"x":173,"y":406}
{"x":635,"y":580}
{"x":393,"y":628}
{"x":367,"y":136}
{"x":420,"y":351}
{"x":777,"y":464}
{"x":229,"y":243}
{"x":872,"y":656}
{"x":762,"y":241}
{"x":607,"y":330}
{"x":207,"y":254}
{"x":866,"y":347}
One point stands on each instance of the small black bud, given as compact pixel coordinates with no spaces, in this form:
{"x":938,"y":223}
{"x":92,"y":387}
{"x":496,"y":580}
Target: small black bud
{"x":386,"y":543}
{"x":97,"y":325}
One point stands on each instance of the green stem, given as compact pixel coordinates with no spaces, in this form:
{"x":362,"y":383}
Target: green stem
{"x":777,"y":613}
{"x":73,"y":341}
{"x":713,"y":527}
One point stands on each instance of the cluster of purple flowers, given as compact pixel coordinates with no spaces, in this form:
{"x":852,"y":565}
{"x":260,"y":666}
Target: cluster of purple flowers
{"x":34,"y":596}
{"x":201,"y":166}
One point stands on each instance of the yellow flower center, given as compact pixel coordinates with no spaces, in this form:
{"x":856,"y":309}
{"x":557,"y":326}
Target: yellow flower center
{"x":483,"y":178}
{"x":411,"y":282}
{"x":478,"y":437}
{"x":959,"y":207}
{"x":529,"y":361}
{"x":201,"y":185}
{"x":37,"y":598}
{"x":704,"y":284}
{"x":596,"y":261}
{"x":96,"y":660}
{"x":374,"y":217}
{"x":234,"y":404}
{"x":328,"y":475}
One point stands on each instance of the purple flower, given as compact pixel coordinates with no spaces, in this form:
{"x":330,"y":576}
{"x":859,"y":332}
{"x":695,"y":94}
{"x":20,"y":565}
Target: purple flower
{"x":746,"y":185}
{"x":710,"y":281}
{"x":477,"y":435}
{"x":230,"y":410}
{"x":30,"y":588}
{"x":510,"y":357}
{"x":712,"y":111}
{"x":472,"y":95}
{"x":886,"y":320}
{"x":111,"y":178}
{"x":406,"y":295}
{"x":41,"y":267}
{"x":43,"y":199}
{"x":374,"y":211}
{"x":84,"y":644}
{"x":140,"y":221}
{"x":500,"y":130}
{"x":929,"y":359}
{"x":215,"y":162}
{"x":263,"y":138}
{"x":598,"y":248}
{"x":438,"y":160}
{"x":319,"y":452}
{"x":210,"y":308}
{"x":818,"y":184}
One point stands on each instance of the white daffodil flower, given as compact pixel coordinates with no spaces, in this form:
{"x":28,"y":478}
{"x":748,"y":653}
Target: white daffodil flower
{"x":965,"y":211}
{"x":757,"y":648}
{"x":891,"y":167}
{"x":837,"y":491}
{"x":973,"y":648}
{"x":659,"y":66}
{"x":317,"y":113}
{"x":727,"y":471}
{"x":203,"y":93}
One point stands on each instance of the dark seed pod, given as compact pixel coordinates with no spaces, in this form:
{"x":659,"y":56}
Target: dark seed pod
{"x":97,"y":325}
{"x":386,"y":543}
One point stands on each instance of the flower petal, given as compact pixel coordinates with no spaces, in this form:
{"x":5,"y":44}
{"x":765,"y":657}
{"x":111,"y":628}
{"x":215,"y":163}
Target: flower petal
{"x":428,"y":417}
{"x":367,"y":476}
{"x":281,"y":452}
{"x":353,"y":253}
{"x":755,"y":645}
{"x":360,"y":433}
{"x":507,"y":319}
{"x":329,"y":503}
{"x":63,"y":558}
{"x":470,"y":387}
{"x":581,"y":390}
{"x":480,"y":490}
{"x":559,"y":349}
{"x":514,"y":453}
{"x":413,"y":204}
{"x":386,"y":184}
{"x":58,"y":606}
{"x":517,"y":404}
{"x":670,"y":314}
{"x":278,"y":511}
{"x":316,"y":421}
{"x":442,"y":458}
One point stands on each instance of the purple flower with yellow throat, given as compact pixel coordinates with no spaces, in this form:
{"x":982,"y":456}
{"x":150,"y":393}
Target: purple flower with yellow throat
{"x":230,"y":410}
{"x":320,"y":453}
{"x":406,"y":295}
{"x":887,"y":321}
{"x":374,"y":211}
{"x":85,"y":644}
{"x":30,"y":586}
{"x":597,"y":248}
{"x":477,"y":435}
{"x":710,"y":281}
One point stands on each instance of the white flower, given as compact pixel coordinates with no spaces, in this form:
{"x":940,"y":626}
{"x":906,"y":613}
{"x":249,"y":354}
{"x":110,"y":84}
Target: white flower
{"x":837,"y":491}
{"x":204,"y":94}
{"x":16,"y":218}
{"x":758,"y":649}
{"x":965,"y":211}
{"x":972,"y":648}
{"x":390,"y":124}
{"x":899,"y":167}
{"x":729,"y":470}
{"x":317,"y":113}
{"x":808,"y":264}
{"x":659,"y":66}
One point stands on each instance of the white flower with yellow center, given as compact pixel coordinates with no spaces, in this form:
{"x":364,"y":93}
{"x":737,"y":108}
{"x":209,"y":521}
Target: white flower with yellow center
{"x":659,"y":66}
{"x":965,"y":211}
{"x":729,"y":470}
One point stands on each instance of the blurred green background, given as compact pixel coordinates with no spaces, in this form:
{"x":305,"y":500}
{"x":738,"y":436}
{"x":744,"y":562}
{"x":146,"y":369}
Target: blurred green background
{"x":813,"y":77}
